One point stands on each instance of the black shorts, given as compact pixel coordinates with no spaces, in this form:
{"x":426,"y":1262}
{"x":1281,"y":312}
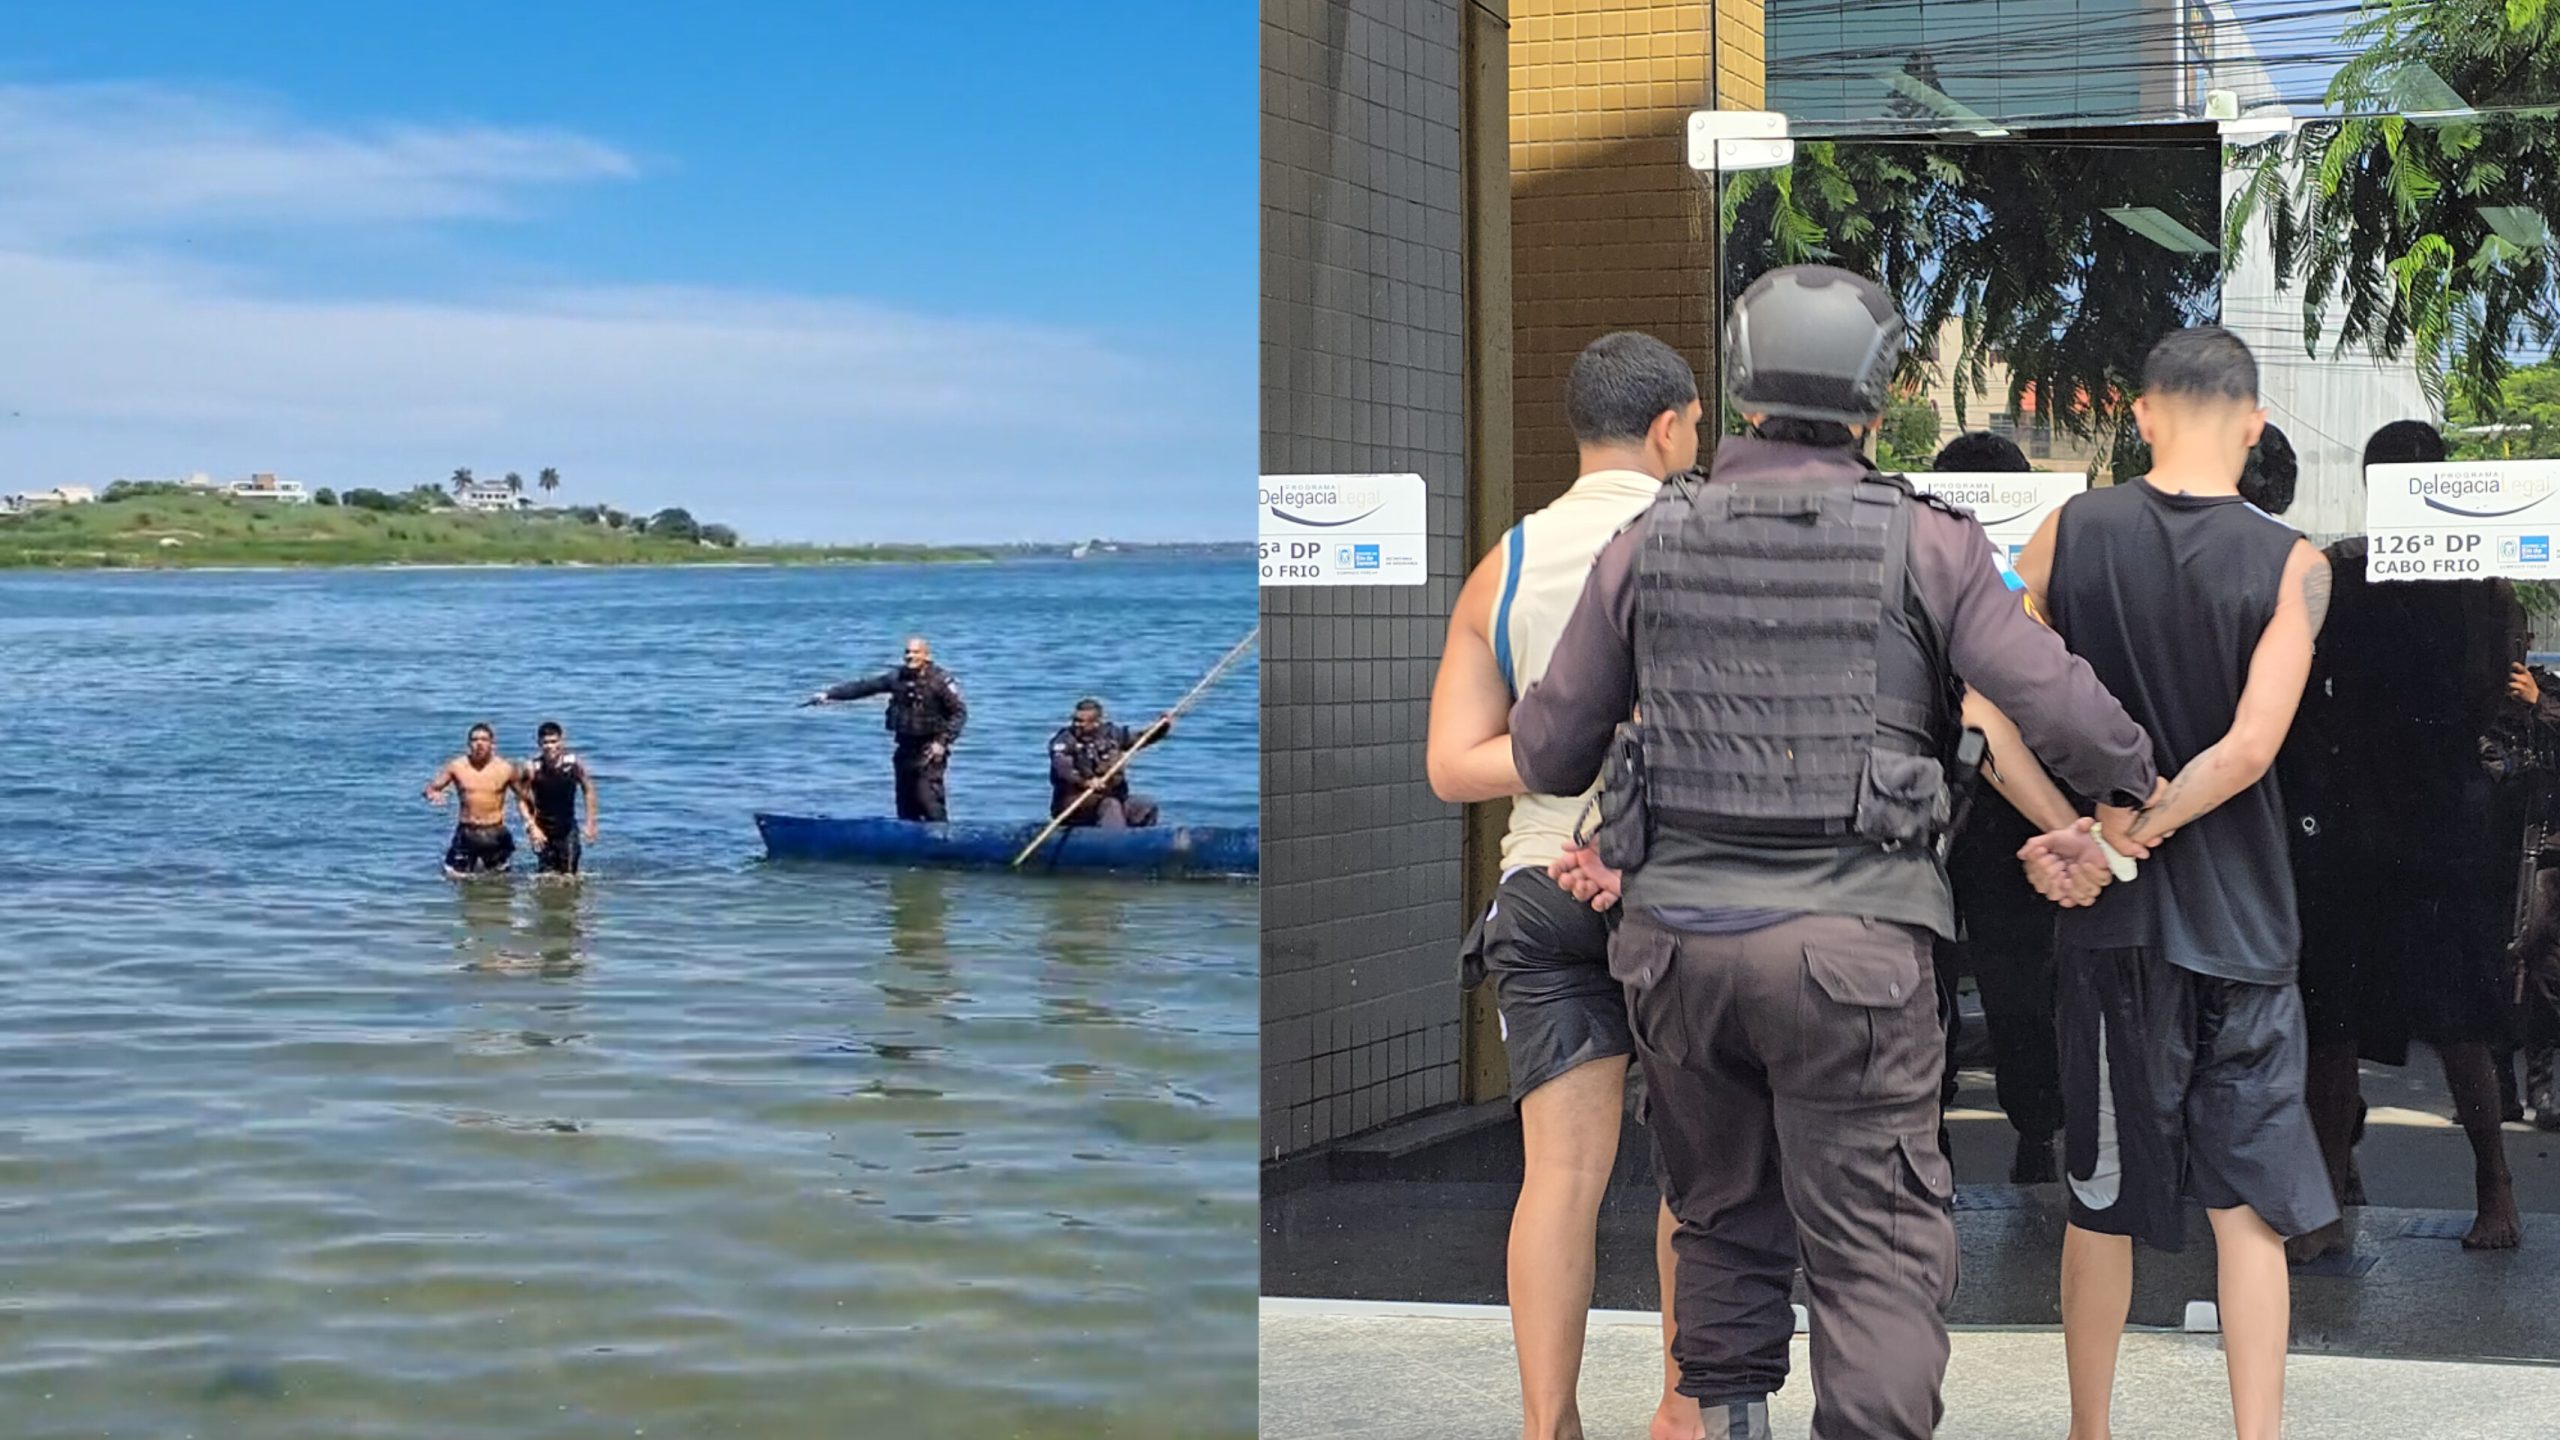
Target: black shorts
{"x":1548,"y":955}
{"x":559,"y":852}
{"x":478,"y":848}
{"x":2176,"y":1087}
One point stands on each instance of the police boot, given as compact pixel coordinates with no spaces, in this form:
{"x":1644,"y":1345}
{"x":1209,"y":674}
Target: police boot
{"x":2538,"y":1089}
{"x":2035,"y":1163}
{"x":1736,"y":1419}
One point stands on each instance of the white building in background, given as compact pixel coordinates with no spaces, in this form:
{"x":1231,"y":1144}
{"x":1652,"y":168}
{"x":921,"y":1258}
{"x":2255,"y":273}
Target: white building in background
{"x":267,"y":490}
{"x":59,"y":495}
{"x":2326,"y":407}
{"x":491,"y":495}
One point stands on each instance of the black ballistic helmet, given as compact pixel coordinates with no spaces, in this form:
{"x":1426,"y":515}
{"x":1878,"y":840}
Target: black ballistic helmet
{"x":1812,"y":342}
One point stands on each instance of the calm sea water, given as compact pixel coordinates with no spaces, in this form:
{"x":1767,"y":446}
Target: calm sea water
{"x":299,"y":1139}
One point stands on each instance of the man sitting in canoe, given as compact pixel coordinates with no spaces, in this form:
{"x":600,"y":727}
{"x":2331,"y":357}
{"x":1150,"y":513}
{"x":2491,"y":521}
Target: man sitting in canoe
{"x":1086,"y":751}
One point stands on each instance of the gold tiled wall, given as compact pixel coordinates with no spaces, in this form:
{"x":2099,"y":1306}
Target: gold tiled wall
{"x":1610,"y":228}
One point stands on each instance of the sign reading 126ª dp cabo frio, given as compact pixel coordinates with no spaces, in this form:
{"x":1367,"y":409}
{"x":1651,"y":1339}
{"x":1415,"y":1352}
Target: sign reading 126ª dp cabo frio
{"x":1345,"y":530}
{"x":2462,"y":520}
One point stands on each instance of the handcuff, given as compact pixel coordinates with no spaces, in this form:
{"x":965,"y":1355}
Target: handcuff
{"x":2118,"y":863}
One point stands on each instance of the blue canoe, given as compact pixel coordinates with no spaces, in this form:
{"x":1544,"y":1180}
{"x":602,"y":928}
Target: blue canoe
{"x":1189,"y":851}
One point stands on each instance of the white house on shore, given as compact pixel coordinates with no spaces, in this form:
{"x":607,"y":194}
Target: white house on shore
{"x":491,"y":495}
{"x":268,"y":490}
{"x":47,"y":499}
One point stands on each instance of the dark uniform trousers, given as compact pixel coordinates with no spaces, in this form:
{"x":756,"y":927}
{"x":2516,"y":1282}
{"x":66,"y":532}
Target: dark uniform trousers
{"x":1792,"y":1090}
{"x":920,"y":776}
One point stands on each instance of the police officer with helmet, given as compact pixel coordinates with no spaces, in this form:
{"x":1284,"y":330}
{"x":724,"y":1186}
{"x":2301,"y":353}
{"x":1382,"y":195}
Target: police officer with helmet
{"x":926,"y":714}
{"x":1794,"y":634}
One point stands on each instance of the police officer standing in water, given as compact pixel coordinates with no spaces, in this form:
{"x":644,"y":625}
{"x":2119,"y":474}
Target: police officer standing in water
{"x":926,"y":714}
{"x":1794,"y":635}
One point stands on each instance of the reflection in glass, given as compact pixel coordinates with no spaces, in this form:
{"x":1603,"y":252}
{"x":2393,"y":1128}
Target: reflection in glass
{"x":1874,"y":68}
{"x":2035,"y":276}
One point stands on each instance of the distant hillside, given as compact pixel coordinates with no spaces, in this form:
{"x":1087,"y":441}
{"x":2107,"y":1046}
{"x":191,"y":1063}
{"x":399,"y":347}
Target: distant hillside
{"x":166,"y":528}
{"x":1116,"y":549}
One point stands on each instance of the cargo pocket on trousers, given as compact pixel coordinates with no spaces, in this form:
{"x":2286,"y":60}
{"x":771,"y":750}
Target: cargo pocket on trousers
{"x":1925,"y":1217}
{"x":1873,"y":971}
{"x":1641,"y":955}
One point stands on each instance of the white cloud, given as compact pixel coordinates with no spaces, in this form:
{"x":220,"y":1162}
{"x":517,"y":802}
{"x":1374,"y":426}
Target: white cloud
{"x":787,"y":415}
{"x":87,"y":160}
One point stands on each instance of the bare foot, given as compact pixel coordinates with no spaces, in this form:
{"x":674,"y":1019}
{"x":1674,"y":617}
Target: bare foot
{"x":2329,"y":1239}
{"x":1676,"y":1418}
{"x":2498,"y":1227}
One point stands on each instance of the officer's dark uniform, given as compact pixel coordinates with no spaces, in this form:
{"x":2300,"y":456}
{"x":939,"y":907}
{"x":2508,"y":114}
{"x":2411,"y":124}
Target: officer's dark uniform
{"x":1077,"y":760}
{"x":1792,"y":633}
{"x":925,"y":709}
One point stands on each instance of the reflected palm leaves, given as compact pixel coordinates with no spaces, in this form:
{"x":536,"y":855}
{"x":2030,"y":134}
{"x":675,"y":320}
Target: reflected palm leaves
{"x":2058,"y":258}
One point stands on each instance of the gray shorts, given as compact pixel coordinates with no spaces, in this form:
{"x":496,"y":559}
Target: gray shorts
{"x":1548,"y":956}
{"x":2177,"y":1087}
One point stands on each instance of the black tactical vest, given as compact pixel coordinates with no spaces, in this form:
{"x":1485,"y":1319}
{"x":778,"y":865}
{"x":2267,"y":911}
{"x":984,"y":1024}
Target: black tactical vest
{"x":918,"y":704}
{"x":1794,"y":690}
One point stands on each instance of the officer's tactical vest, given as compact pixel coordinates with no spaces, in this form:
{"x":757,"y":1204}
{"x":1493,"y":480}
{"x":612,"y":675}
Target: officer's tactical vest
{"x":1793,"y":689}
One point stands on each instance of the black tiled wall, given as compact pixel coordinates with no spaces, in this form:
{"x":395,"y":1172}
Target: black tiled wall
{"x":1362,"y":372}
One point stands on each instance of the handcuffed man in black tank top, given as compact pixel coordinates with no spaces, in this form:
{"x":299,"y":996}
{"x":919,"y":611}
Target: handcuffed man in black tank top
{"x":2183,"y":1040}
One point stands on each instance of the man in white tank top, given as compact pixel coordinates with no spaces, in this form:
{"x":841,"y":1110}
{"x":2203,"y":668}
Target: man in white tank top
{"x":1635,"y":412}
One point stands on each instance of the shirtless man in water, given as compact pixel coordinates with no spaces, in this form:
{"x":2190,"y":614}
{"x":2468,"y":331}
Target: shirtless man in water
{"x":481,"y":842}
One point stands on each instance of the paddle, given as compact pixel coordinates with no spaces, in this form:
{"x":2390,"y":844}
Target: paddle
{"x":1225,"y":663}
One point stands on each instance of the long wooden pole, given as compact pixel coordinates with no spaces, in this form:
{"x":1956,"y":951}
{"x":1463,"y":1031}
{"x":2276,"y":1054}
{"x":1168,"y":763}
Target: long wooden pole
{"x":1225,"y":663}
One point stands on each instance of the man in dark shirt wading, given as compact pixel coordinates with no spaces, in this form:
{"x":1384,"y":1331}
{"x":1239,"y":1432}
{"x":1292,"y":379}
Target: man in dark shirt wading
{"x":2183,"y":1042}
{"x":926,"y":714}
{"x":553,"y":782}
{"x":1792,"y":633}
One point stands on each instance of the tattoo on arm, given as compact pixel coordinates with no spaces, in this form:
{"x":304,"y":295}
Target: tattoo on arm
{"x":2179,"y":784}
{"x":2315,"y":595}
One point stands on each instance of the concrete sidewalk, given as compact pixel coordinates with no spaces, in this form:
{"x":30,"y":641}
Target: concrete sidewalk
{"x":1338,"y":1369}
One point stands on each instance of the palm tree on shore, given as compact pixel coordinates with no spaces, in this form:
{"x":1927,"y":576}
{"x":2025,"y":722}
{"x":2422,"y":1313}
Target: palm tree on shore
{"x":515,"y":483}
{"x":549,"y":480}
{"x":461,"y":480}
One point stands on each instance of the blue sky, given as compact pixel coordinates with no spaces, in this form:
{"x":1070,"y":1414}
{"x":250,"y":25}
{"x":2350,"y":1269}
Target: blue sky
{"x":827,"y":271}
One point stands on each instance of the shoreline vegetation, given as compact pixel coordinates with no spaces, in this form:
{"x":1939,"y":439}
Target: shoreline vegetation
{"x":152,"y":527}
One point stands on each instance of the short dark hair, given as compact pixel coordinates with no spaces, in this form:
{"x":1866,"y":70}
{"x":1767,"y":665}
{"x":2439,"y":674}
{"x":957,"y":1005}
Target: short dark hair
{"x":1621,"y":384}
{"x":1797,"y":430}
{"x":2267,"y":481}
{"x":1089,"y":703}
{"x":2405,"y":442}
{"x":483,"y":728}
{"x":548,"y":729}
{"x":2201,"y":362}
{"x":1979,"y":452}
